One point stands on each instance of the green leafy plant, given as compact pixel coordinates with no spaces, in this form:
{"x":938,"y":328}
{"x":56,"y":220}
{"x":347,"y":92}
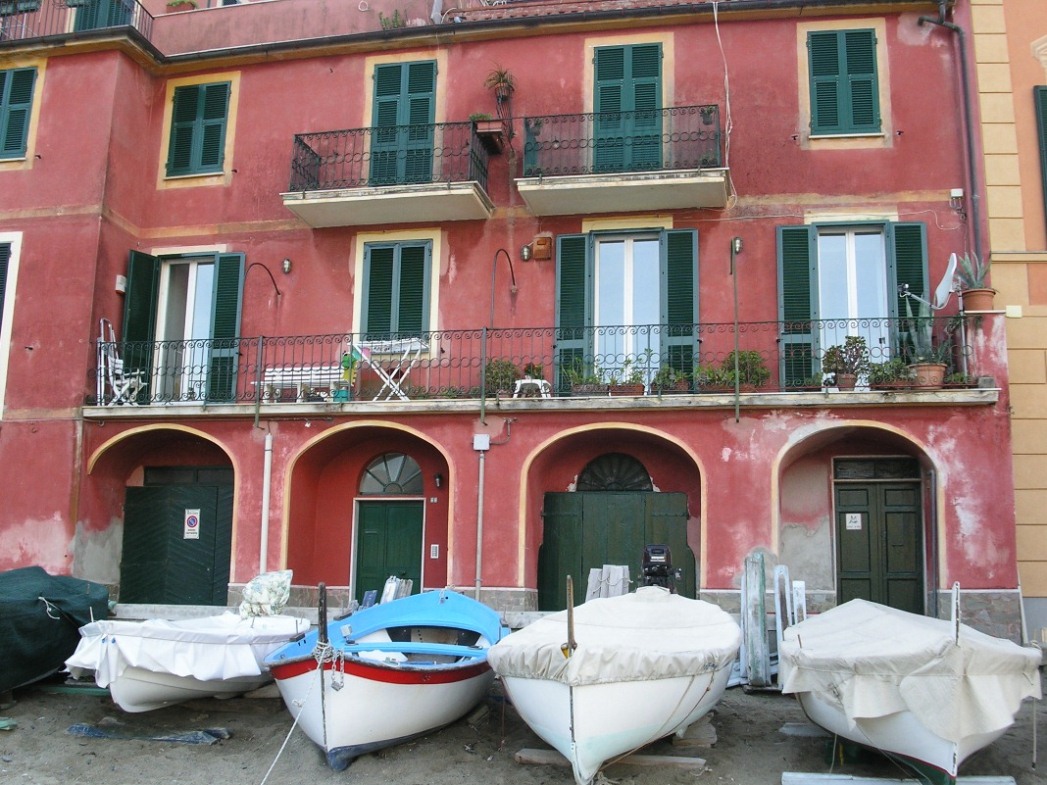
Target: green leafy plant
{"x":750,"y":366}
{"x":921,"y":335}
{"x":182,"y":4}
{"x":480,"y":116}
{"x":501,"y":80}
{"x":534,"y":371}
{"x":397,"y":20}
{"x":500,"y":375}
{"x":580,"y":373}
{"x":892,"y":372}
{"x":668,"y":378}
{"x":972,"y":272}
{"x":850,"y":357}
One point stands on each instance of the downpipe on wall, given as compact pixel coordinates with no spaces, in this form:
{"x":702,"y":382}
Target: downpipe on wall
{"x":267,"y":474}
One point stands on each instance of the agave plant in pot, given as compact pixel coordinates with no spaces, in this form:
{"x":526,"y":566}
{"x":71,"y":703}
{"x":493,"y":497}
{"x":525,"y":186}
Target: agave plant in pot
{"x":847,"y":361}
{"x":972,"y":274}
{"x":929,"y":359}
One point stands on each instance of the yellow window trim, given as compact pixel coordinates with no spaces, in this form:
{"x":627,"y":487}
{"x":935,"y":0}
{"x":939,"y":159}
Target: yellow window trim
{"x":40,"y":64}
{"x":225,"y":177}
{"x":432,"y":234}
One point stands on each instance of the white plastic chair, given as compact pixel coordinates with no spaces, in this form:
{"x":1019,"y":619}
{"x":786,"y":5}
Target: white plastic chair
{"x":123,"y":386}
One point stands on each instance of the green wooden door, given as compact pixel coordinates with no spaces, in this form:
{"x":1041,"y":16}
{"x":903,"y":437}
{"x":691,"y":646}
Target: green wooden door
{"x":880,"y":544}
{"x":584,"y":531}
{"x":388,"y":542}
{"x":160,"y":563}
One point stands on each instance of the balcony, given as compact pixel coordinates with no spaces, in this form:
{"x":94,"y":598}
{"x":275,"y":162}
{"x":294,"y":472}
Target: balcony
{"x":31,"y":20}
{"x":757,"y":364}
{"x":396,"y":174}
{"x":622,"y":162}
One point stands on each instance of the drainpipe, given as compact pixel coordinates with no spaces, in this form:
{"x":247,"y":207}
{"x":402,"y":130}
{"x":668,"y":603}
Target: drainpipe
{"x":267,"y":473}
{"x":481,"y":443}
{"x":972,"y":176}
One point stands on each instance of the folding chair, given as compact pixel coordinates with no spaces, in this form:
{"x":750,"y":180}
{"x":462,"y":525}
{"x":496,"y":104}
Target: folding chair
{"x":124,"y":386}
{"x":392,"y":361}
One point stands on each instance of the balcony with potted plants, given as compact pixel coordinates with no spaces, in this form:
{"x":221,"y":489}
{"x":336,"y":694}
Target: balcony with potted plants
{"x":709,"y":365}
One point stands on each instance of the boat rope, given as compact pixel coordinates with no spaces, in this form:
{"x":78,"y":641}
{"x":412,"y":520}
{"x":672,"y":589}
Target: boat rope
{"x":301,"y":707}
{"x":51,"y":609}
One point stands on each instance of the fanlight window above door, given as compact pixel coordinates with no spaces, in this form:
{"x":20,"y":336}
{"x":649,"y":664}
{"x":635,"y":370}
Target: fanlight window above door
{"x":392,"y":474}
{"x":615,"y":472}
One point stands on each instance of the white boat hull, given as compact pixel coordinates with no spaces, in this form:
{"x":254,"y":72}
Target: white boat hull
{"x":156,"y":663}
{"x":613,"y":719}
{"x":900,"y":734}
{"x":355,"y":708}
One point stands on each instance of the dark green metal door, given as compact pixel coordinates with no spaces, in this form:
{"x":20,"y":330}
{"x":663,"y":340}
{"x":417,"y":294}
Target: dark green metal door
{"x":176,"y":545}
{"x":583,"y":531}
{"x":880,"y":544}
{"x":388,"y":542}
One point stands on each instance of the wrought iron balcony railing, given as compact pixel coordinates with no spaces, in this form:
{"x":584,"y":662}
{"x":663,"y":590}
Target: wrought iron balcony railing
{"x":682,"y":138}
{"x":25,"y":20}
{"x":393,"y":155}
{"x":654,"y":359}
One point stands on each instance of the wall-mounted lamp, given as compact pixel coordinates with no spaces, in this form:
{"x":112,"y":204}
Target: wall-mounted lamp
{"x":286,"y":266}
{"x":956,"y":199}
{"x":736,"y":245}
{"x":525,"y":253}
{"x":438,"y":480}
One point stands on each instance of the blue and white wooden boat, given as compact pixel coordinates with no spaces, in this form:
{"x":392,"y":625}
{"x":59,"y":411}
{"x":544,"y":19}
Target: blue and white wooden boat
{"x":388,"y":673}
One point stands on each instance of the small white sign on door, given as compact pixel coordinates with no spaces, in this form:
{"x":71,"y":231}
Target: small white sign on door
{"x":191,"y":529}
{"x":854,"y":521}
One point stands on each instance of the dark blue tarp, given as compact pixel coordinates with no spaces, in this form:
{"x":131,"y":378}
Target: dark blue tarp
{"x":40,"y":620}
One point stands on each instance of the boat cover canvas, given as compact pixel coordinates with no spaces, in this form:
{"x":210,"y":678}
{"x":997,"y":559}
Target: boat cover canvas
{"x":40,"y":615}
{"x":649,"y":634}
{"x":208,"y":648}
{"x":873,"y":661}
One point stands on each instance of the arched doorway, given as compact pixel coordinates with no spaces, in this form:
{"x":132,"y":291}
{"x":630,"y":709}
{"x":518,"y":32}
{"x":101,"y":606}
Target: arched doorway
{"x":613,"y":513}
{"x":389,"y":524}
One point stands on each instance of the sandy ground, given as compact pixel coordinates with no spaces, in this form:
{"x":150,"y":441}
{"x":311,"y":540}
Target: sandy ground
{"x":759,"y":735}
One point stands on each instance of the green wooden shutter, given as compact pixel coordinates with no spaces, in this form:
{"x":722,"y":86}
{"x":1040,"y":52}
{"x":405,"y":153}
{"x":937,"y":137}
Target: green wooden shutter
{"x":906,"y":263}
{"x":1040,"y":99}
{"x":225,"y":327}
{"x":627,"y":104}
{"x":402,"y":132}
{"x":16,"y":103}
{"x":5,"y":259}
{"x":378,"y":290}
{"x":679,"y":251}
{"x":573,"y":306}
{"x":797,"y":303}
{"x":198,"y":128}
{"x":844,"y":82}
{"x":139,"y":329}
{"x":412,"y":299}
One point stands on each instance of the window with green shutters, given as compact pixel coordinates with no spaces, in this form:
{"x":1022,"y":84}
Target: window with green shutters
{"x":809,"y":296}
{"x":402,"y":125}
{"x":16,"y":105}
{"x":200,"y":361}
{"x":627,"y":126}
{"x":1040,"y":100}
{"x":844,"y":83}
{"x":626,"y":302}
{"x":198,"y":128}
{"x":396,"y":290}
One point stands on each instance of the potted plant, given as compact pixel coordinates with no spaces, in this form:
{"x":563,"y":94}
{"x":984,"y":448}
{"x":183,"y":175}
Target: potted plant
{"x":489,"y":130}
{"x":892,"y":374}
{"x":929,"y":360}
{"x":670,"y":380}
{"x":502,"y":82}
{"x":973,"y":274}
{"x":182,"y":5}
{"x":584,"y":379}
{"x":500,"y":376}
{"x":625,"y":380}
{"x":846,"y":361}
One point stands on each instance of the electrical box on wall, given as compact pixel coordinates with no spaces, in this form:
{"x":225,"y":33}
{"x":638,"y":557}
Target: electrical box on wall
{"x":120,"y":285}
{"x":543,"y":247}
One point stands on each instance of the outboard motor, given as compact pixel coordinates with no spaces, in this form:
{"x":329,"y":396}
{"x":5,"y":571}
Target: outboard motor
{"x":657,"y":567}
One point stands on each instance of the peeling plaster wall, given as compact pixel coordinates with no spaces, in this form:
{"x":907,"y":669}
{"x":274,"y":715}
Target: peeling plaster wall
{"x":97,"y":554}
{"x":805,"y":540}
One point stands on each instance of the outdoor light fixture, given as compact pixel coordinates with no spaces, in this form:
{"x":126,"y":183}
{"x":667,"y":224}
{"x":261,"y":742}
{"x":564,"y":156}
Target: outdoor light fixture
{"x":525,"y":253}
{"x":438,"y":479}
{"x":736,"y":245}
{"x":286,"y":266}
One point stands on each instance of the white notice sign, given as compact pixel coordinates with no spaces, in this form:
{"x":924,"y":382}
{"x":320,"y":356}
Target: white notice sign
{"x":854,"y":521}
{"x":191,"y":530}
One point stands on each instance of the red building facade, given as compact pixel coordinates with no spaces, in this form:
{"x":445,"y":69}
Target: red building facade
{"x":359,"y":329}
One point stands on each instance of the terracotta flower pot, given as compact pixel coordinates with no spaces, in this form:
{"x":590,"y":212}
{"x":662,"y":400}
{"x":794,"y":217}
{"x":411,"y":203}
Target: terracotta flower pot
{"x":928,"y":376}
{"x":978,"y":299}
